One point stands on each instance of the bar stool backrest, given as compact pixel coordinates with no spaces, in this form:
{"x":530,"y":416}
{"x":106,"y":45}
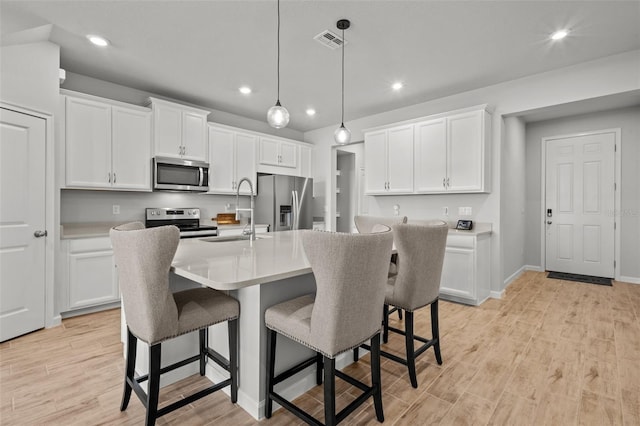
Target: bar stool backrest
{"x":351,"y":274}
{"x":143,"y":258}
{"x":421,"y":246}
{"x":364,"y":224}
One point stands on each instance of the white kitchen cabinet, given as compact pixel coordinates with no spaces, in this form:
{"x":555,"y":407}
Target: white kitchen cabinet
{"x":179,"y":131}
{"x":275,"y":152}
{"x":466,"y":270}
{"x":232,"y":156}
{"x":92,"y":278}
{"x":451,"y":153}
{"x":107,"y":145}
{"x":389,"y":161}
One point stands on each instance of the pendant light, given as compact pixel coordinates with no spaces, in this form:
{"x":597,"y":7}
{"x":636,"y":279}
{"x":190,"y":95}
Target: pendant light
{"x":278,"y":116}
{"x":342,"y":135}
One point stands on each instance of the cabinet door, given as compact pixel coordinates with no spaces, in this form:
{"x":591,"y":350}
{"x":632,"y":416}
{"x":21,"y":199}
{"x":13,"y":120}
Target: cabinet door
{"x":92,"y":279}
{"x":375,"y":162}
{"x":431,"y":156}
{"x":400,"y":160}
{"x":88,"y":144}
{"x":221,"y":161}
{"x":288,"y":155}
{"x":269,"y":152}
{"x":458,"y":273}
{"x":131,"y":149}
{"x":167,"y":130}
{"x":466,"y":148}
{"x":194,"y":136}
{"x":245,"y":161}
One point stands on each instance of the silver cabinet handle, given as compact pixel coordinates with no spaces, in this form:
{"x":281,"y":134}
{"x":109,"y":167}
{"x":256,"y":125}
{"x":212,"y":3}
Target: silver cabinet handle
{"x":448,"y":183}
{"x":40,"y":234}
{"x":109,"y":177}
{"x":114,"y":177}
{"x":444,"y":182}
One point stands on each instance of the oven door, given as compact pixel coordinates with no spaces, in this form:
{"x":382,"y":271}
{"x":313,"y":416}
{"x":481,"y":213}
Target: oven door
{"x":171,"y":174}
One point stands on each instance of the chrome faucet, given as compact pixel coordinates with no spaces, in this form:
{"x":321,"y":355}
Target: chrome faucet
{"x":252,"y":232}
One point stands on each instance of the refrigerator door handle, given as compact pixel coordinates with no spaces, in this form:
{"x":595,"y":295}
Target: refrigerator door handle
{"x":296,"y":209}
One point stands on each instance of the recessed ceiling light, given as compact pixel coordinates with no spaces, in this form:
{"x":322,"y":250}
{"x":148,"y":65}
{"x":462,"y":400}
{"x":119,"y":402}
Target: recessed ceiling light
{"x":311,"y":112}
{"x":397,"y":86}
{"x":98,"y":41}
{"x":245,"y":90}
{"x":559,"y":35}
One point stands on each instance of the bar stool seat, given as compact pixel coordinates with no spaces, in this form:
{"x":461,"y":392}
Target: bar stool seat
{"x":350,"y":273}
{"x":154,"y":315}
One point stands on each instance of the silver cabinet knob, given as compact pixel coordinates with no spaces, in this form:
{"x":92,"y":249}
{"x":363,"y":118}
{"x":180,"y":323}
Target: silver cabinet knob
{"x":40,"y":234}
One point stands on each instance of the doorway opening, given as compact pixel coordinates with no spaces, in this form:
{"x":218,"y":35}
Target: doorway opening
{"x":345,"y":190}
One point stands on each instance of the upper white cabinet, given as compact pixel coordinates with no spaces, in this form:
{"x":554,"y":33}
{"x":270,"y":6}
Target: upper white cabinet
{"x":438,"y":154}
{"x":451,"y":153}
{"x":232,"y":156}
{"x":107,"y":145}
{"x":179,"y":131}
{"x":389,"y":161}
{"x":276,"y":152}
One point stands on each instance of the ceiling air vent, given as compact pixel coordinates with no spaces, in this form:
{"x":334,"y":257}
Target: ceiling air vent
{"x":329,"y":39}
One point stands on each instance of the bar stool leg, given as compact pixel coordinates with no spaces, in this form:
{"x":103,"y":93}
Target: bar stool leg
{"x":132,"y":345}
{"x":375,"y":376}
{"x":411,"y":357}
{"x":319,"y":366}
{"x":203,"y":349}
{"x":233,"y":358}
{"x":356,"y":354}
{"x":385,"y":324}
{"x":329,"y":391}
{"x":154,"y":384}
{"x":271,"y":362}
{"x":435,"y":331}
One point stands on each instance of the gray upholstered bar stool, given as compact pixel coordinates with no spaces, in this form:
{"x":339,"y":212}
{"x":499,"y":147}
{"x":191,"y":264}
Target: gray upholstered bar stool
{"x":420,"y":246}
{"x":143,"y":258}
{"x":350,"y":272}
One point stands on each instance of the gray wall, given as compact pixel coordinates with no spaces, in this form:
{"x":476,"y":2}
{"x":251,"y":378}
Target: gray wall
{"x":512,"y":201}
{"x":628,"y":120}
{"x":80,"y":206}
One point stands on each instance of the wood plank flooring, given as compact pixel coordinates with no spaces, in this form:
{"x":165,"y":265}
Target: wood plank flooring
{"x":550,"y":352}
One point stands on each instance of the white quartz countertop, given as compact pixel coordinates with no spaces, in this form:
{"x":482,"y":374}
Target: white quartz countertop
{"x":230,"y":265}
{"x":478,"y":229}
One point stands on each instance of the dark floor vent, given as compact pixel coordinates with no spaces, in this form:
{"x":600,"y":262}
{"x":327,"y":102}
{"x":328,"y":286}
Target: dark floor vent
{"x":579,"y":278}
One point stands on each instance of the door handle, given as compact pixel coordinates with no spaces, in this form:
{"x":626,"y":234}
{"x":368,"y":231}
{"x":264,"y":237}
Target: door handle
{"x":549,"y":222}
{"x":40,"y":234}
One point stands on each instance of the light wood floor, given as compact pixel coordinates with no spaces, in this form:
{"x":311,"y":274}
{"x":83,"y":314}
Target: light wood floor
{"x":551,"y":352}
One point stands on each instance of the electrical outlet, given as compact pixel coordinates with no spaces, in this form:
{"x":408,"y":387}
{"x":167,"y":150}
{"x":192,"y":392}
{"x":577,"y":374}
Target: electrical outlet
{"x":464,"y":211}
{"x":445,"y":211}
{"x":396,"y":209}
{"x":116,"y":209}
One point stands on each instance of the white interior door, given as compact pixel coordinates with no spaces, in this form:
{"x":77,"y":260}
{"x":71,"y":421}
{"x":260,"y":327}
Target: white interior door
{"x":22,"y":215}
{"x":580,"y":204}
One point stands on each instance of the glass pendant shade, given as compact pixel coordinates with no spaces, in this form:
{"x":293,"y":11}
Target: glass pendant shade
{"x":278,"y":116}
{"x":342,"y":135}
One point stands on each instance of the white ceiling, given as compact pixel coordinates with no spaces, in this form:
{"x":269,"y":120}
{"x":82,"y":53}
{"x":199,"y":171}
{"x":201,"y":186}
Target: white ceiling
{"x":203,"y":51}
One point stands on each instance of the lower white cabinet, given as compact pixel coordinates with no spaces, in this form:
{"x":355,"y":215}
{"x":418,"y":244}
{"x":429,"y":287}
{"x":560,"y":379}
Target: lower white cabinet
{"x":92,"y":278}
{"x":466,"y":272}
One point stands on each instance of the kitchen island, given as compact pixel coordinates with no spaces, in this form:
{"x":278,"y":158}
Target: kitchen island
{"x":260,"y":274}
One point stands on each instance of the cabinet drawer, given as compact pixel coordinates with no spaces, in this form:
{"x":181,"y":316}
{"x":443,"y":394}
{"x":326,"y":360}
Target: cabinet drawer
{"x":462,"y":241}
{"x":81,"y":245}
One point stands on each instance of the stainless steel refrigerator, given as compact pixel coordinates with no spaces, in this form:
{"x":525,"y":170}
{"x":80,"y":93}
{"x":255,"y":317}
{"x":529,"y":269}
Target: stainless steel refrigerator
{"x":284,"y":202}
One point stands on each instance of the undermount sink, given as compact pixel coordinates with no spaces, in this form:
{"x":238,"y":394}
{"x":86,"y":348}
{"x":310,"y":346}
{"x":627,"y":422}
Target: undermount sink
{"x":232,"y":238}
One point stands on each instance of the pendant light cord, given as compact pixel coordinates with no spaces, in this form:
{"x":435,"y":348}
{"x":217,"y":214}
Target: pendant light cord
{"x":278,"y":68}
{"x":342,"y":120}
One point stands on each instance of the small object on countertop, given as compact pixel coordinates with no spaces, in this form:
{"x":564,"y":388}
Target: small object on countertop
{"x":226,"y":219}
{"x":465,"y":225}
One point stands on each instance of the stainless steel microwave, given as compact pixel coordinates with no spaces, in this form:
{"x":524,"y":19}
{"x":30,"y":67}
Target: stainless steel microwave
{"x":174,"y":174}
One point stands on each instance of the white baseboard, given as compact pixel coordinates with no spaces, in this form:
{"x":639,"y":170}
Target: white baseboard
{"x":54,"y":322}
{"x":512,"y":277}
{"x":631,"y":280}
{"x":497,"y":294}
{"x":533,"y":268}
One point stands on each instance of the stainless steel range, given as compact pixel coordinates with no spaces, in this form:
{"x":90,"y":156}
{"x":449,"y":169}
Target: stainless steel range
{"x":186,"y":219}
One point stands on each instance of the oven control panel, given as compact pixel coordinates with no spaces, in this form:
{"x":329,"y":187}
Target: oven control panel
{"x":168,"y":213}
